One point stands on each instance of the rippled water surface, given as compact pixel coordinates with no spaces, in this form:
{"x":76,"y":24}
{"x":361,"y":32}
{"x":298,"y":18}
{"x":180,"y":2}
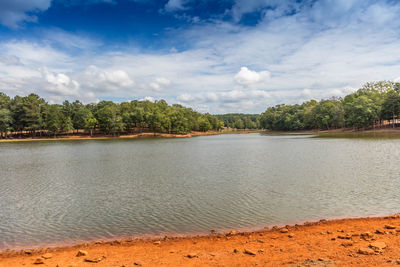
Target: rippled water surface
{"x":52,"y":192}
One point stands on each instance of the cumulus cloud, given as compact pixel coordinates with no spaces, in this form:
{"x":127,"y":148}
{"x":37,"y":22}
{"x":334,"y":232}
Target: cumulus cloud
{"x":60,"y":84}
{"x":105,"y":80}
{"x":14,"y":12}
{"x":159,"y":83}
{"x":247,"y":77}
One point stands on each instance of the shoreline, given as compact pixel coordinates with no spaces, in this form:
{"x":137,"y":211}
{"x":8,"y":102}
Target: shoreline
{"x":336,"y":241}
{"x":318,"y":133}
{"x":106,"y":137}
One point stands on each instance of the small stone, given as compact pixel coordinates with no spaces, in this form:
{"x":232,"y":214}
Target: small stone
{"x":366,"y":251}
{"x":157,"y":242}
{"x":137,"y":264}
{"x":347,"y":244}
{"x":28,"y":252}
{"x":389,"y":226}
{"x":98,"y":242}
{"x":191,"y":255}
{"x":378,"y":245}
{"x":81,"y":253}
{"x":94,"y":260}
{"x":249,"y":252}
{"x":235,"y":250}
{"x":47,"y":256}
{"x":291,"y":235}
{"x":260,"y":251}
{"x":233,"y":232}
{"x":284,"y":230}
{"x":380,"y":232}
{"x":38,"y":261}
{"x":344,"y":236}
{"x":260,"y":241}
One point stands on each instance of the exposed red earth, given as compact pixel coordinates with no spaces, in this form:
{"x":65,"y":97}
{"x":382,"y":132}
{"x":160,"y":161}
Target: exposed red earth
{"x":342,"y":242}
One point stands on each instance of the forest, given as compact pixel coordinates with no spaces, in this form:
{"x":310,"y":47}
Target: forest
{"x":376,"y":104}
{"x":32,"y":116}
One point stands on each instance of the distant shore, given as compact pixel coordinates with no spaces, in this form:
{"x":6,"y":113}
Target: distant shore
{"x":341,"y":242}
{"x":390,"y":132}
{"x":128,"y":136}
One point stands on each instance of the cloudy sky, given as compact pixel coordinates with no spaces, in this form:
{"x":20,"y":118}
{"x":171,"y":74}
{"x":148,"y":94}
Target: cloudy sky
{"x":215,"y":56}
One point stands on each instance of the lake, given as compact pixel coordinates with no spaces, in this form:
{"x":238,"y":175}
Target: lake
{"x":70,"y":191}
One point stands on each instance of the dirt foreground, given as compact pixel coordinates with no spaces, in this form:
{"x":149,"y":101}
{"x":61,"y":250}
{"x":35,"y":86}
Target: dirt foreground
{"x":345,"y":242}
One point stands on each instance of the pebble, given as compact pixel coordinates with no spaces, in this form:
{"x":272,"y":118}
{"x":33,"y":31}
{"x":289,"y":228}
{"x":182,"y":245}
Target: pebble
{"x":249,"y":252}
{"x":157,"y":242}
{"x":389,"y":226}
{"x":81,"y":253}
{"x":284,"y":230}
{"x":191,"y":255}
{"x":366,"y":251}
{"x":38,"y":261}
{"x":347,"y":244}
{"x":47,"y":256}
{"x":378,"y":245}
{"x":94,"y":260}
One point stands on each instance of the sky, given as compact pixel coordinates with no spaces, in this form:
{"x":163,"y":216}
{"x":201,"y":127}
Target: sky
{"x":214,"y":56}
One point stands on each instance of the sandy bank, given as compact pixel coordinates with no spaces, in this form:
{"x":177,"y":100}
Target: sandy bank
{"x":100,"y":137}
{"x":345,"y":242}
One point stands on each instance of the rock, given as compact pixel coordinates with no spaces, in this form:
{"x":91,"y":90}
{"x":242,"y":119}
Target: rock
{"x":249,"y":252}
{"x":98,"y":242}
{"x":378,"y":245}
{"x":380,"y":232}
{"x":137,"y":263}
{"x":95,"y":260}
{"x":191,"y":255}
{"x":235,"y":250}
{"x":28,"y":252}
{"x":344,"y":236}
{"x":39,"y":261}
{"x":157,"y":242}
{"x":260,"y":241}
{"x":347,"y":244}
{"x":81,"y":253}
{"x":233,"y":232}
{"x":284,"y":230}
{"x":366,"y":234}
{"x":291,"y":235}
{"x":389,"y":226}
{"x":47,"y":256}
{"x":366,"y":251}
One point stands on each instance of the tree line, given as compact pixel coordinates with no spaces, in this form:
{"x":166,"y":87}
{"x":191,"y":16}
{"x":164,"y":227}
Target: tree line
{"x":240,"y":120}
{"x":370,"y":106}
{"x":32,"y":116}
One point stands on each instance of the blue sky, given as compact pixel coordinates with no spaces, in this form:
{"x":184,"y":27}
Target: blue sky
{"x":214,"y":56}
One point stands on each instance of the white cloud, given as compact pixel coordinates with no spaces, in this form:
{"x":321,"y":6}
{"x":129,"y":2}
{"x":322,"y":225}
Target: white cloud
{"x":159,"y":83}
{"x":105,"y":80}
{"x":247,"y":77}
{"x":174,"y":5}
{"x":397,"y":80}
{"x":60,"y":84}
{"x":14,"y":12}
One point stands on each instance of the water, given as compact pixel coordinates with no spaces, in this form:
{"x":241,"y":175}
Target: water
{"x":68,"y":191}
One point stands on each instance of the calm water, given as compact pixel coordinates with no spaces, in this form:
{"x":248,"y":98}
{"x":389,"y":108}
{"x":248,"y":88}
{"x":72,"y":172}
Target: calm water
{"x":68,"y":191}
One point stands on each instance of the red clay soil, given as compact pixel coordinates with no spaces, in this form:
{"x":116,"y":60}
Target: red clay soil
{"x":345,"y":242}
